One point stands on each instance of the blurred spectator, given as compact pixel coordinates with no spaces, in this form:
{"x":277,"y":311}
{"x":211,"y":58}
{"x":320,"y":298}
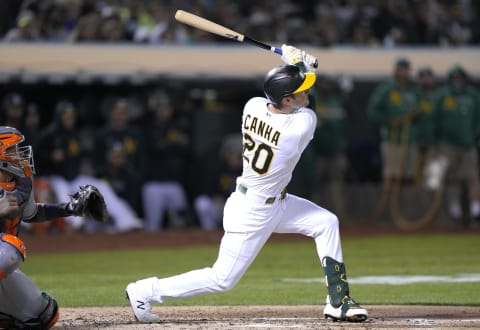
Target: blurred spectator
{"x":32,"y":127}
{"x":54,"y":23}
{"x":362,"y":35}
{"x":393,"y":107}
{"x":122,"y":176}
{"x":87,"y":29}
{"x":322,"y":23}
{"x":26,"y":29}
{"x":118,"y":130}
{"x":8,"y":12}
{"x":457,"y":127}
{"x":13,"y":111}
{"x":165,"y":170}
{"x":111,"y":29}
{"x":135,"y":15}
{"x":60,"y":156}
{"x":213,"y":115}
{"x":330,"y":141}
{"x":151,"y":24}
{"x":160,"y":27}
{"x":215,"y":190}
{"x":61,"y":160}
{"x":424,"y":121}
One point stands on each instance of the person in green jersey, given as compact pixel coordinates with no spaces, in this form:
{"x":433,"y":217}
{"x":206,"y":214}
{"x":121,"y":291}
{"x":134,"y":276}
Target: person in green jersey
{"x":393,"y":107}
{"x":330,"y":141}
{"x":457,"y":124}
{"x":425,"y":80}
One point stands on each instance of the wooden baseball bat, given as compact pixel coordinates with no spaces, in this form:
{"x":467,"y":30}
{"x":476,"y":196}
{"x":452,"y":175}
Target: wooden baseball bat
{"x":209,"y":26}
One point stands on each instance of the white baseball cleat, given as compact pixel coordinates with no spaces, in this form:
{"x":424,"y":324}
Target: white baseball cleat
{"x":349,"y":311}
{"x":141,"y":306}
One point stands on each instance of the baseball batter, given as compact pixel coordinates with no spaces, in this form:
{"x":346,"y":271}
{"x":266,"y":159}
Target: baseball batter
{"x":22,"y":304}
{"x":276,"y":130}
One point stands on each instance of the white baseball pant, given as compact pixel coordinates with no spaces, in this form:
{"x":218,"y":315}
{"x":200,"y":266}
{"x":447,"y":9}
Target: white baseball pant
{"x":248,"y":223}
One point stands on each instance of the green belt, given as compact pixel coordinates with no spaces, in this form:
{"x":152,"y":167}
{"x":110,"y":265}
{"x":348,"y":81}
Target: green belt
{"x":270,"y":200}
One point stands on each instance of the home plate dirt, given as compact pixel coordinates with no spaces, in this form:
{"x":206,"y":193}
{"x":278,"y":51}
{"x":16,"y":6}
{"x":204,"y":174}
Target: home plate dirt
{"x":270,"y":317}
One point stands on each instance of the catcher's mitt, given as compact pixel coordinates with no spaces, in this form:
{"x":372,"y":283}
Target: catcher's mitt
{"x":88,"y":202}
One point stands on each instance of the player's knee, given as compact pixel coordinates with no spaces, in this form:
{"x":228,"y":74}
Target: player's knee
{"x":333,"y":222}
{"x":225,"y":283}
{"x":328,"y":223}
{"x":12,"y":254}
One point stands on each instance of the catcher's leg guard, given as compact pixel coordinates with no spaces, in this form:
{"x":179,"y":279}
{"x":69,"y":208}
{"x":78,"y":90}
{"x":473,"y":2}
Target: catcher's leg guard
{"x":47,"y":318}
{"x":339,"y":306}
{"x":12,"y":254}
{"x":9,"y":322}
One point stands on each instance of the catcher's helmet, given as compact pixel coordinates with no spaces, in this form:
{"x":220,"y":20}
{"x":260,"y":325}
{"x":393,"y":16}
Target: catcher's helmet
{"x":14,"y":159}
{"x":286,"y":80}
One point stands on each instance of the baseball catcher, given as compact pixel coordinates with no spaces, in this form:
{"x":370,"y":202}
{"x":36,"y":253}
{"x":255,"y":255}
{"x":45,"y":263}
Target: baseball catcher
{"x":22,"y":304}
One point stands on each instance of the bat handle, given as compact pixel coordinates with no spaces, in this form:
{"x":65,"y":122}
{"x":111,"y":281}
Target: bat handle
{"x":276,"y":50}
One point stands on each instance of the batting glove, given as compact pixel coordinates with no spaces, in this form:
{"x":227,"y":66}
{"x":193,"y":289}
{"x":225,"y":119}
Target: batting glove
{"x":293,"y":56}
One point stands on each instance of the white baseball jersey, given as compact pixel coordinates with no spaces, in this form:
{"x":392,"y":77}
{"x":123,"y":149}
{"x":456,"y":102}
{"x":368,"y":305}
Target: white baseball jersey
{"x":273,"y":144}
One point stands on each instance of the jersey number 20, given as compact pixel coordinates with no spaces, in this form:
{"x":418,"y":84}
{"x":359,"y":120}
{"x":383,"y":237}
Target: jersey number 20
{"x":262,"y":154}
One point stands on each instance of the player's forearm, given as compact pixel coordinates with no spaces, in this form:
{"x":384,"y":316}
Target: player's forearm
{"x":47,"y":212}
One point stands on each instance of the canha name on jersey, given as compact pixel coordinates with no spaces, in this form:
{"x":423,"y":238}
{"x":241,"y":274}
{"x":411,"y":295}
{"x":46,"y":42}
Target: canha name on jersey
{"x":257,"y":126}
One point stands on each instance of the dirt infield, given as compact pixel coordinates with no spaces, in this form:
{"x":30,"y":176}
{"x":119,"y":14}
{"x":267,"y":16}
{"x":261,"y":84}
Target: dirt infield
{"x":271,"y":317}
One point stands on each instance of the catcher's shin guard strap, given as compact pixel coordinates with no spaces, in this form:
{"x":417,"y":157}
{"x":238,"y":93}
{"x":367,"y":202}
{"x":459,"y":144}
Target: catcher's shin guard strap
{"x":336,"y":280}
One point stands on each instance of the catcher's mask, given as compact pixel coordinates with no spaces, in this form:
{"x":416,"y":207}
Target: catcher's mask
{"x":286,"y":80}
{"x":13,"y":158}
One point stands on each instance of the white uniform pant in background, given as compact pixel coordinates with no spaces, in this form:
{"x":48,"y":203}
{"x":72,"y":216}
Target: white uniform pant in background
{"x":248,"y":223}
{"x":159,"y":197}
{"x":123,"y":215}
{"x":20,"y":298}
{"x":209,"y":212}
